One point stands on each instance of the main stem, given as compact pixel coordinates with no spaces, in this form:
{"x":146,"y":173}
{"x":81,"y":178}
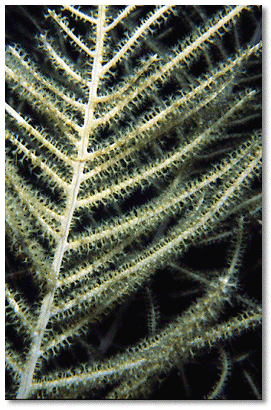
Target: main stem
{"x":46,"y":307}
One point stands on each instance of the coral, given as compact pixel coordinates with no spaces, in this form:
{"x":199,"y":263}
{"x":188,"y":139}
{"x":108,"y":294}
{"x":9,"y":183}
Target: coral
{"x":133,"y":199}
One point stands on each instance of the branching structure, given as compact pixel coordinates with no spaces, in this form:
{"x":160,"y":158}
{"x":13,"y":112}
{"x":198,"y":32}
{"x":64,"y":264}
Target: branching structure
{"x":133,"y":140}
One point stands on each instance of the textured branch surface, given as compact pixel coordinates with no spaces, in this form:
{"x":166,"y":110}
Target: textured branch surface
{"x":133,"y":163}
